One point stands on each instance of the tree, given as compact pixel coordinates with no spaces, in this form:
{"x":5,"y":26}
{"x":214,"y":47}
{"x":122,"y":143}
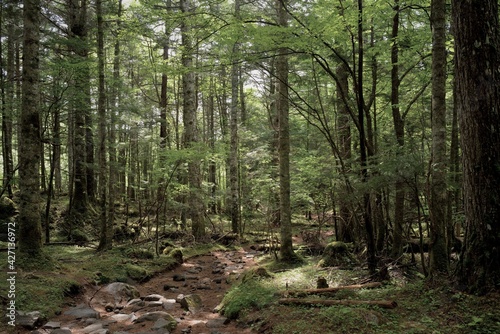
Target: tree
{"x":477,"y":75}
{"x":196,"y":211}
{"x":438,"y":191}
{"x":30,"y":230}
{"x":234,"y":206}
{"x":286,"y":250}
{"x":106,"y":229}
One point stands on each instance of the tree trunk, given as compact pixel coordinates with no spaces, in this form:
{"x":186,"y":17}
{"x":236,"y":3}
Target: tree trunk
{"x":233,"y":152}
{"x":8,"y":105}
{"x":477,"y":71}
{"x":77,"y":24}
{"x":399,"y":129}
{"x":345,"y":233}
{"x":438,"y":193}
{"x":196,"y":210}
{"x":370,"y":238}
{"x":282,"y":105}
{"x":106,"y":229}
{"x":30,"y":230}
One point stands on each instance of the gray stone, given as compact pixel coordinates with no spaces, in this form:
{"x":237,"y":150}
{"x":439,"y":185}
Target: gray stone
{"x":61,"y":331}
{"x":191,"y":303}
{"x":100,"y":331}
{"x":29,"y":320}
{"x":121,"y":292}
{"x":153,"y":297}
{"x":82,"y":311}
{"x":121,"y":317}
{"x":155,"y":304}
{"x":91,"y":328}
{"x":52,"y":325}
{"x":159,"y":317}
{"x":217,"y":323}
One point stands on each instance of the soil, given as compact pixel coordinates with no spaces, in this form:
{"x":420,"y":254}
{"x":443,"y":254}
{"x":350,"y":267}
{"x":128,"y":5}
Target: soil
{"x":209,"y":276}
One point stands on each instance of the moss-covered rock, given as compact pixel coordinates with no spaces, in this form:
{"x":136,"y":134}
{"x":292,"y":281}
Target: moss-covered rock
{"x":336,"y":254}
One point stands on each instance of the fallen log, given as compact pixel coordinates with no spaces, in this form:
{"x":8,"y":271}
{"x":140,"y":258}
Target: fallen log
{"x":329,"y":302}
{"x":304,"y":292}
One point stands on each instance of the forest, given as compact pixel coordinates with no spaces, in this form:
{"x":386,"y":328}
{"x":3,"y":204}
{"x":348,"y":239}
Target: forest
{"x":141,"y":134}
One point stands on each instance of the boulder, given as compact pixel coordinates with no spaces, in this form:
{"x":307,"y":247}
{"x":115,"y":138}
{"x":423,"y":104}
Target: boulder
{"x":337,"y":254}
{"x":82,"y":312}
{"x":118,"y":293}
{"x":29,"y":320}
{"x":161,"y":319}
{"x":191,"y":303}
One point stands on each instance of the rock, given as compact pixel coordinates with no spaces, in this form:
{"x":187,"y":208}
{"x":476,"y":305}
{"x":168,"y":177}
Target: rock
{"x":191,"y":303}
{"x":217,"y":323}
{"x":121,"y":317}
{"x":92,"y":328}
{"x":118,"y":293}
{"x":153,"y":297}
{"x":82,"y":312}
{"x":52,"y":325}
{"x":179,"y":278}
{"x":160,"y":318}
{"x":29,"y":320}
{"x":61,"y":331}
{"x":336,"y":254}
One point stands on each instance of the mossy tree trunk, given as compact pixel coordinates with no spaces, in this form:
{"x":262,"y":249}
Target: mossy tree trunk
{"x":30,"y":231}
{"x":477,"y":75}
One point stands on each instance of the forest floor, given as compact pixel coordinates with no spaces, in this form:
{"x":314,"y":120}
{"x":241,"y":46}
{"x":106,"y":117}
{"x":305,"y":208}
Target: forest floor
{"x":76,"y":276}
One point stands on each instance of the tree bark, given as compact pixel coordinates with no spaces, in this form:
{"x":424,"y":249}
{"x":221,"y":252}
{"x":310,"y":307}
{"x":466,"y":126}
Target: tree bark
{"x":286,"y":250}
{"x":196,"y":210}
{"x":399,"y":130}
{"x":477,"y":75}
{"x":438,"y":193}
{"x":233,"y":152}
{"x":106,"y":229}
{"x":30,"y":229}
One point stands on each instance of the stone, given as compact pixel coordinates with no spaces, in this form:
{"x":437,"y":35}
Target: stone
{"x":217,"y":323}
{"x":121,"y":317}
{"x":153,"y":297}
{"x":191,"y":303}
{"x":92,"y":328}
{"x":61,"y":331}
{"x":82,"y":312}
{"x":29,"y":320}
{"x":52,"y":325}
{"x":159,"y":317}
{"x":179,"y":278}
{"x":121,"y":292}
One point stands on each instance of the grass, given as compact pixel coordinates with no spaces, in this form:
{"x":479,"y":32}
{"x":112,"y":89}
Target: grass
{"x":421,"y":308}
{"x":66,"y":269}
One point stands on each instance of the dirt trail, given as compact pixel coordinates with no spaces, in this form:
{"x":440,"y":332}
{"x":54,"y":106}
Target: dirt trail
{"x":209,"y":276}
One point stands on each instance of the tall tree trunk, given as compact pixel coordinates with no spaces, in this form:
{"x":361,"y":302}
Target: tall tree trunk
{"x":8,"y":105}
{"x":438,"y":192}
{"x":196,"y":210}
{"x":30,"y":229}
{"x":282,"y":105}
{"x":77,"y":24}
{"x":399,"y":129}
{"x":477,"y":71}
{"x":370,"y":238}
{"x":233,"y":151}
{"x":106,"y":229}
{"x":115,"y":101}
